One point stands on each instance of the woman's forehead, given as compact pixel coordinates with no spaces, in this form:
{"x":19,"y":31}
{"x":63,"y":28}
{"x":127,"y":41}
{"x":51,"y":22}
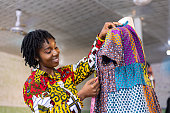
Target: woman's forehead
{"x":48,"y":42}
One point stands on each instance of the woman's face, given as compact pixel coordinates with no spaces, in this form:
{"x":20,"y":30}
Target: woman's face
{"x":49,"y":54}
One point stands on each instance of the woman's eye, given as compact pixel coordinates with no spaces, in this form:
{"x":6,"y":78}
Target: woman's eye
{"x":48,"y":52}
{"x":56,"y":47}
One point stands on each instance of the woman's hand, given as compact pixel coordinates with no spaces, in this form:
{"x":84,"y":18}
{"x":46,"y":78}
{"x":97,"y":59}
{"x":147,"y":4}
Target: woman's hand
{"x":107,"y":26}
{"x":90,"y":89}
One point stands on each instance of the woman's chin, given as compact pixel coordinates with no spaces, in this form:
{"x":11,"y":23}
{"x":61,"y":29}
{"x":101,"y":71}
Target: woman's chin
{"x":56,"y":64}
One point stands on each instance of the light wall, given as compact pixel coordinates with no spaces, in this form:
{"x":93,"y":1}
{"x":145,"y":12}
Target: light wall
{"x":13,"y":74}
{"x":161,"y":72}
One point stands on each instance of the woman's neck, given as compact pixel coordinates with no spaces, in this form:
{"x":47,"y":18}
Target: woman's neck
{"x":47,"y":70}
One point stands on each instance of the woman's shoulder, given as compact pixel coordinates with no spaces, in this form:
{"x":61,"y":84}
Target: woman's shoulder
{"x":31,"y":78}
{"x":35,"y":83}
{"x":35,"y":77}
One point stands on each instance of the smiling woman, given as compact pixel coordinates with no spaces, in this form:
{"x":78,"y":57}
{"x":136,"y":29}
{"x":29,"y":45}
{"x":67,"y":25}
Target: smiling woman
{"x":54,"y":90}
{"x":51,"y":90}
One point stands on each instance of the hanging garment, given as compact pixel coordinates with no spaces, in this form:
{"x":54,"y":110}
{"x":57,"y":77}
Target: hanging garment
{"x":121,"y":68}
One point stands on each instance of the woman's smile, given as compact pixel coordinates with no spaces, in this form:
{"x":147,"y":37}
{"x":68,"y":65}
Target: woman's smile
{"x":55,"y":59}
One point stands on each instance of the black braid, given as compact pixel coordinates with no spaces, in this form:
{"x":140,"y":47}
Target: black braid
{"x":30,"y":45}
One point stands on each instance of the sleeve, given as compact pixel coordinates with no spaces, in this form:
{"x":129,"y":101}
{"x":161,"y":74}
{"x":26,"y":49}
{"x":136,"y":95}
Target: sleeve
{"x":112,"y":48}
{"x":85,"y":66}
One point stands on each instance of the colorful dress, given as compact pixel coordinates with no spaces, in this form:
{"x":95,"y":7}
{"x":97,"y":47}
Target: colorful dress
{"x":45,"y":93}
{"x":121,"y":68}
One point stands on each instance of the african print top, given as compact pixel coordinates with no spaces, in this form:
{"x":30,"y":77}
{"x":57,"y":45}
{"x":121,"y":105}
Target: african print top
{"x":45,"y":93}
{"x":121,"y":68}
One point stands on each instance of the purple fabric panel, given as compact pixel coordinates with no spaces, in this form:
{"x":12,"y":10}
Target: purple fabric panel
{"x":128,"y":51}
{"x":137,"y":43}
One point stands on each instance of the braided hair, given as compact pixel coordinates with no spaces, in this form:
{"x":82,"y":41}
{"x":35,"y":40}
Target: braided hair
{"x":31,"y":43}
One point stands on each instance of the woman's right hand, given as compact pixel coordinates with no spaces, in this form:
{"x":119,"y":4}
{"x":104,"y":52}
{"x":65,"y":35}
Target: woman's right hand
{"x":90,"y":89}
{"x":107,"y":26}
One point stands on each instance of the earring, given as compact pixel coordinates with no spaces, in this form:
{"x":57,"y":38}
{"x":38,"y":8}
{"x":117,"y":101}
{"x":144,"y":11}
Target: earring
{"x":37,"y":60}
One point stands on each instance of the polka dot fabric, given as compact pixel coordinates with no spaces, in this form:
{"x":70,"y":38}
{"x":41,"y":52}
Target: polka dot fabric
{"x":121,"y":68}
{"x":127,"y":101}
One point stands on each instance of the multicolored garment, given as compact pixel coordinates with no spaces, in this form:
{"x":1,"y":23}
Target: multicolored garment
{"x":45,"y":93}
{"x":121,"y":68}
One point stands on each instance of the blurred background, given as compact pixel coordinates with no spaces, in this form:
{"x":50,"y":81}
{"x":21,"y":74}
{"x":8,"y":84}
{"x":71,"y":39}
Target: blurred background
{"x":75,"y":24}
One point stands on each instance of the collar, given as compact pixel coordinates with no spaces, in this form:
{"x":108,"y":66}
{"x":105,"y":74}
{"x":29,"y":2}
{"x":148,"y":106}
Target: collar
{"x":56,"y":76}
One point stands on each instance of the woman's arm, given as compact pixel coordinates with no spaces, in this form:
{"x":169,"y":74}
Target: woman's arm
{"x":85,"y":66}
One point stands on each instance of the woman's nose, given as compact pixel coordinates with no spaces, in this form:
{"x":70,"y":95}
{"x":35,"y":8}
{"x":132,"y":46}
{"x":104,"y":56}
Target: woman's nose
{"x":56,"y":52}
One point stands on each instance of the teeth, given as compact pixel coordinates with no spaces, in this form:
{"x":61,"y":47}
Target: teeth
{"x":55,"y":58}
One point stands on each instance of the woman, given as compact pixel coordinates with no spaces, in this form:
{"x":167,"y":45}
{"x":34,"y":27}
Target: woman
{"x":54,"y":90}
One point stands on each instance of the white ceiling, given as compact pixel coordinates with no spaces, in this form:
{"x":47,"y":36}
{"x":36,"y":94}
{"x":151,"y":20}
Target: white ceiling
{"x":75,"y":23}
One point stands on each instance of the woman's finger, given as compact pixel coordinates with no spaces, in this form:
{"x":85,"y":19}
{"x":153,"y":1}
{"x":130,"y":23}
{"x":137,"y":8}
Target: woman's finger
{"x":98,"y":89}
{"x":110,"y":25}
{"x":117,"y":23}
{"x":93,"y":80}
{"x":96,"y":84}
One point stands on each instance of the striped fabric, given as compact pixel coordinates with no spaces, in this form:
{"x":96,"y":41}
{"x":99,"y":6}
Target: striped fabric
{"x":121,"y":68}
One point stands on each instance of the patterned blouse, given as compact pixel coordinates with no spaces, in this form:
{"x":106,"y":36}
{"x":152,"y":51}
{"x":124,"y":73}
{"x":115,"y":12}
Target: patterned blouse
{"x":45,"y":93}
{"x":121,"y":68}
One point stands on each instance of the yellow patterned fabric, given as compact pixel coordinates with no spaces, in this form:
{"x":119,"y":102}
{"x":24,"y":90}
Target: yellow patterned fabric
{"x":82,"y":72}
{"x":145,"y":74}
